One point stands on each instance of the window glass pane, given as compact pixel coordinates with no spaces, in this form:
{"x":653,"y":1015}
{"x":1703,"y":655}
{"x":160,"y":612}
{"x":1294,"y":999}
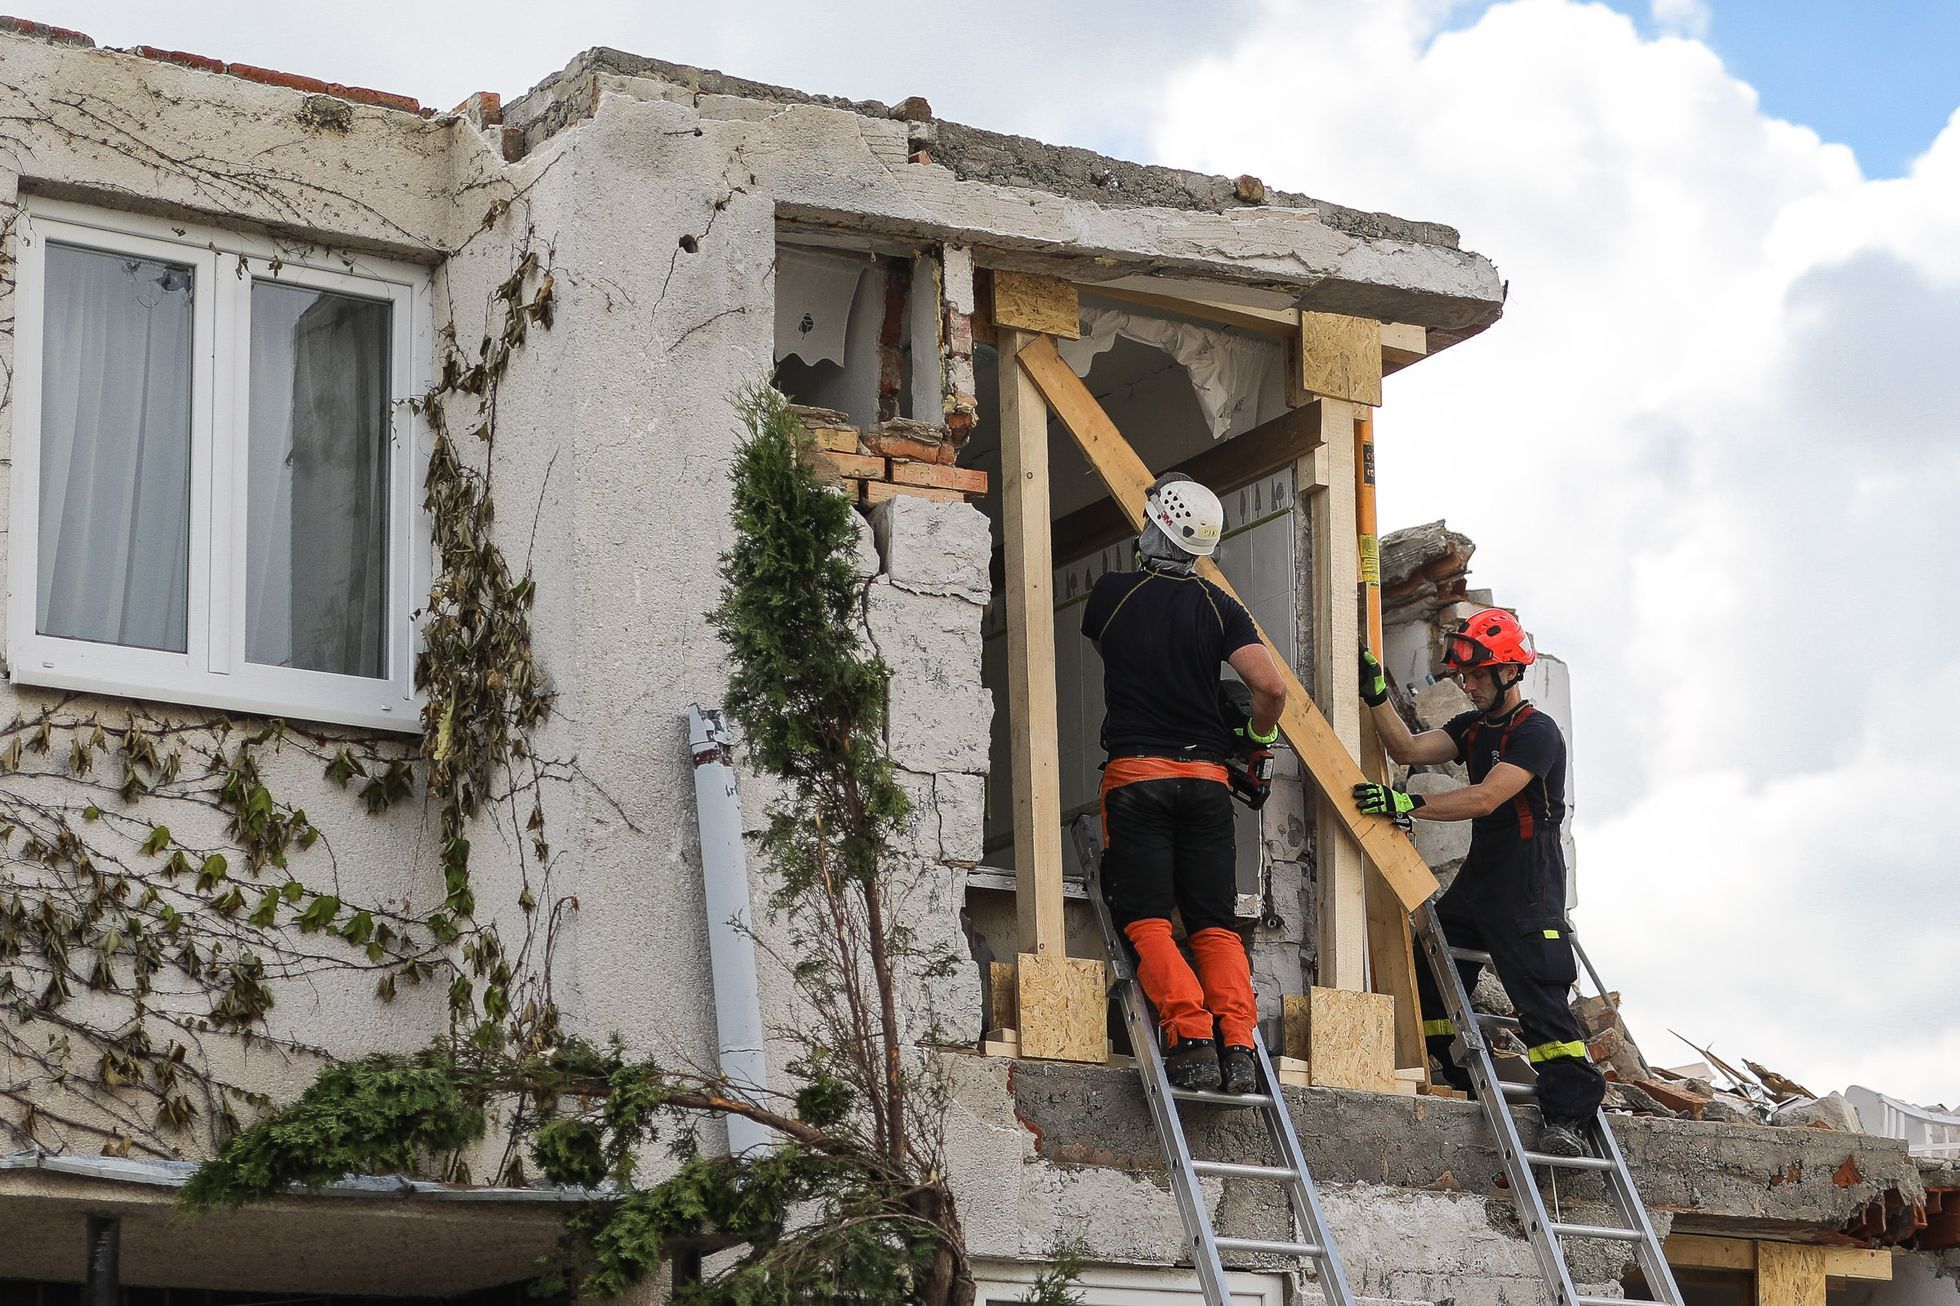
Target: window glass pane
{"x":113,"y":563}
{"x":316,"y":561}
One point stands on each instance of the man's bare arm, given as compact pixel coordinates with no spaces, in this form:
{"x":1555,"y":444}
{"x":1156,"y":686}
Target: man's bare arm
{"x":1411,"y":749}
{"x":1496,"y":789}
{"x":1255,"y":667}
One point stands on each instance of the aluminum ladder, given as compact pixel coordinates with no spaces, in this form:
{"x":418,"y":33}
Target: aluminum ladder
{"x":1206,"y":1244}
{"x":1547,"y":1233}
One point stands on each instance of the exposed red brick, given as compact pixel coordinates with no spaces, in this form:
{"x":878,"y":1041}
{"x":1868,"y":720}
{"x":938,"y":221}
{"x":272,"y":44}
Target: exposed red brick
{"x":513,"y":144}
{"x":273,"y":77}
{"x":485,"y":109}
{"x":203,"y":63}
{"x":1848,"y":1174}
{"x":969,"y":480}
{"x":919,"y":156}
{"x":46,"y":32}
{"x":380,"y":99}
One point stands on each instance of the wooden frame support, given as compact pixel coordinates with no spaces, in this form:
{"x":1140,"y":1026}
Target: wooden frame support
{"x":1033,"y":734}
{"x":1325,"y":757}
{"x":1342,"y":901}
{"x":1787,"y":1274}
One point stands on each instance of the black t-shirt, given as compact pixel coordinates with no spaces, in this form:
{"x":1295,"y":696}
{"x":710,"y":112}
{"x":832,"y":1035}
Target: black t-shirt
{"x":1163,"y":638}
{"x":1533,"y":742}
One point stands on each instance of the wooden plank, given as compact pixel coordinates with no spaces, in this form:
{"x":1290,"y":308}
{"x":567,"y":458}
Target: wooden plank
{"x":1045,"y":305}
{"x":1858,"y":1262}
{"x":1332,"y":767}
{"x":1002,"y":1010}
{"x":1275,"y":322}
{"x":1293,"y":1025}
{"x":1788,"y":1274}
{"x":1032,"y":730}
{"x":1340,"y":357}
{"x":1062,"y":1013}
{"x":1391,"y":952}
{"x":1402,"y":344}
{"x":1351,"y":1039}
{"x":879,"y":491}
{"x":1225,"y":466}
{"x":1690,"y":1251}
{"x":967,"y":480}
{"x":1341,"y":916}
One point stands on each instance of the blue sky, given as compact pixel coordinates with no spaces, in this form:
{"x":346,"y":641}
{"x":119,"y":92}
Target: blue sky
{"x":1881,"y":76}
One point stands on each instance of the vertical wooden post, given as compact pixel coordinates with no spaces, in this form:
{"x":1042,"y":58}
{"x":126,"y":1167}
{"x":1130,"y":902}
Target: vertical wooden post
{"x":1032,"y":731}
{"x":1343,"y":896}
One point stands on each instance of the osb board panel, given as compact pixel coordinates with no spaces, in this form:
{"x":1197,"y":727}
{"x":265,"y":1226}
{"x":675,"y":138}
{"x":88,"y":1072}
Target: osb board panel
{"x":1042,"y":304}
{"x":1062,"y":1008}
{"x":1341,"y":357}
{"x":1001,"y":1013}
{"x":1789,"y":1275}
{"x":1351,"y":1039}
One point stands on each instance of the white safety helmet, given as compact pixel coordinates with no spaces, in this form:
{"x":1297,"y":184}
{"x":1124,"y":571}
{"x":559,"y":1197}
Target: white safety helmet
{"x":1189,"y":515}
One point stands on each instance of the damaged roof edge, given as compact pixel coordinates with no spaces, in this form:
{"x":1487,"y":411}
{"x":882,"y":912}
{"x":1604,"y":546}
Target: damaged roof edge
{"x":975,"y":154}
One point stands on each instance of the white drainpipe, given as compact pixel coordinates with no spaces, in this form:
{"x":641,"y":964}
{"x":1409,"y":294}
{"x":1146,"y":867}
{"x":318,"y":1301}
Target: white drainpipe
{"x":731,"y":946}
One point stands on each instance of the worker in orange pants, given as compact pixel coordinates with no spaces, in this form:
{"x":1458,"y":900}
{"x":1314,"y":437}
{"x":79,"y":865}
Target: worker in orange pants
{"x":1163,"y":633}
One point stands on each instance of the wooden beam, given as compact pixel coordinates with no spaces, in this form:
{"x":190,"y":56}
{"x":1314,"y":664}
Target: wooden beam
{"x":1040,"y":304}
{"x":1690,"y":1251}
{"x":1276,"y":322}
{"x":1402,"y":344}
{"x":1332,"y":767}
{"x":1032,"y":730}
{"x":1342,"y":904}
{"x":1224,"y":467}
{"x":1789,"y":1274}
{"x":1339,"y":357}
{"x":1391,"y":952}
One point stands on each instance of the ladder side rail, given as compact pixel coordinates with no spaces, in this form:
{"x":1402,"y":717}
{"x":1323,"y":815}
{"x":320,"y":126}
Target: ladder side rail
{"x":1633,"y":1212}
{"x":1483,"y":1076}
{"x":1306,"y":1198}
{"x":1157,"y":1092}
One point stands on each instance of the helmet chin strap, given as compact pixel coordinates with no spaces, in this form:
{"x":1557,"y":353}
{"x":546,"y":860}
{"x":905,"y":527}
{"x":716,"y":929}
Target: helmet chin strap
{"x":1504,"y":689}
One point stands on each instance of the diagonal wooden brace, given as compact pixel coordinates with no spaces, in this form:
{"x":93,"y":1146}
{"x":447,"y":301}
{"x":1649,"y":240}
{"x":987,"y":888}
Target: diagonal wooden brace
{"x":1333,"y":769}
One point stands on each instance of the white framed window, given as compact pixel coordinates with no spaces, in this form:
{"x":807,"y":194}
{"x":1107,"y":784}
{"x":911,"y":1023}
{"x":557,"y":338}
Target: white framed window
{"x":217,"y":483}
{"x":1001,"y":1283}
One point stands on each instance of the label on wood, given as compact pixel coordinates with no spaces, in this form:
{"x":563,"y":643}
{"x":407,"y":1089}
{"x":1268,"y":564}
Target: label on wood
{"x":1789,"y":1275}
{"x":1351,"y":1039}
{"x":1341,"y":357}
{"x":1041,"y":304}
{"x":1063,"y":1010}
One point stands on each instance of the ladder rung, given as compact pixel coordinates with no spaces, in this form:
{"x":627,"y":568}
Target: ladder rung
{"x":1615,"y":1301}
{"x":1238,"y":1170}
{"x":1266,"y":1245}
{"x":1503,"y":1022}
{"x":1510,"y":1089}
{"x":1220,"y":1099}
{"x":1471,"y":954}
{"x":1602,"y":1231}
{"x":1568,"y":1162}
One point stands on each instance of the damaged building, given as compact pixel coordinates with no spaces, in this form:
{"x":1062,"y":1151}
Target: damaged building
{"x":229,"y":294}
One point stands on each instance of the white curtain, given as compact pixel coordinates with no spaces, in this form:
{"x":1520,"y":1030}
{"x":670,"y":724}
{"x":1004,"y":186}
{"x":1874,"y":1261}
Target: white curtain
{"x":113,"y":557}
{"x":317,"y":486}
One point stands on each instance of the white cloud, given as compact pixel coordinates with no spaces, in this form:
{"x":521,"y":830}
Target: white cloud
{"x":1681,"y":17}
{"x":1709,"y":453}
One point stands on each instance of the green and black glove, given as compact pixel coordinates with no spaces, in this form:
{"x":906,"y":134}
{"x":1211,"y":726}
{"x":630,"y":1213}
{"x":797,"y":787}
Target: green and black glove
{"x":1374,"y":682}
{"x":1381,"y":800}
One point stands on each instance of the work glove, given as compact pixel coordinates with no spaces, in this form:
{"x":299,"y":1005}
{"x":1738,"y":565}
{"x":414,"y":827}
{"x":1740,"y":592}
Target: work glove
{"x":1374,"y":682}
{"x":1382,"y":800}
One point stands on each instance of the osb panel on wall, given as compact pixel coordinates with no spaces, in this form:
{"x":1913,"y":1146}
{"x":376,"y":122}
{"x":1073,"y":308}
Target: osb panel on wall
{"x":1063,"y":1008}
{"x":1042,"y":304}
{"x":1341,"y":357}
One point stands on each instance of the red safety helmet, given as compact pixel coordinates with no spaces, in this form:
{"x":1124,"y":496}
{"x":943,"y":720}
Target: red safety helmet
{"x":1490,"y":638}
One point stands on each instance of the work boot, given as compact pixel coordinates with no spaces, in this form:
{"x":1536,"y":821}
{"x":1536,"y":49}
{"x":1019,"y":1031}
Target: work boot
{"x":1192,"y":1063}
{"x":1237,"y":1070}
{"x":1563,"y":1138}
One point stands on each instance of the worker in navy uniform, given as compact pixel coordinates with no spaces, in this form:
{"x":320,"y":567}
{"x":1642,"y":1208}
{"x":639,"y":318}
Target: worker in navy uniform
{"x":1509,"y":897}
{"x":1164,"y":632}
